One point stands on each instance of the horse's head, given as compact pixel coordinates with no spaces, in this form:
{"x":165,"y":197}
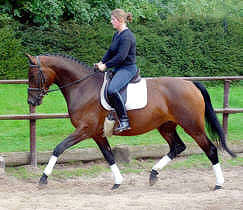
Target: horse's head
{"x":40,"y":78}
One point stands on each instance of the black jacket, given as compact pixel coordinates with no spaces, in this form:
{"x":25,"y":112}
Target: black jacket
{"x":122,"y":51}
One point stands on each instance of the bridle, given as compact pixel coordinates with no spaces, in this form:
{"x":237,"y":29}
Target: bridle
{"x":42,"y":81}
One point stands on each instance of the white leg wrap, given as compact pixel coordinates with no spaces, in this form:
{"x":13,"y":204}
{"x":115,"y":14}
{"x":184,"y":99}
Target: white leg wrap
{"x":116,"y":174}
{"x":219,"y":175}
{"x":50,"y":165}
{"x":162,"y":163}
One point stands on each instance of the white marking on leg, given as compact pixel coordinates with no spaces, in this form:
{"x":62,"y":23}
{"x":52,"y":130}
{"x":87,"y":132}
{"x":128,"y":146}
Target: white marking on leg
{"x":50,"y":166}
{"x":116,"y":174}
{"x":219,"y":174}
{"x":162,"y":163}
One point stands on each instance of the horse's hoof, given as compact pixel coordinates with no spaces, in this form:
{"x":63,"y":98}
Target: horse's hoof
{"x":43,"y":180}
{"x":217,"y":187}
{"x":153,"y":177}
{"x":115,"y":186}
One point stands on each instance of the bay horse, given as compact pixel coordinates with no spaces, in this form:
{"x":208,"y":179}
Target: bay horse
{"x":171,"y":102}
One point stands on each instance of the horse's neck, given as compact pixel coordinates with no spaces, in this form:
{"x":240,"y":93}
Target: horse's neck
{"x":66,"y":75}
{"x":80,"y":94}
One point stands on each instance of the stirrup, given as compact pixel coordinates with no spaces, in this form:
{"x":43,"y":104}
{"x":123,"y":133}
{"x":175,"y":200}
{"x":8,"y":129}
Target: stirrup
{"x":123,"y":125}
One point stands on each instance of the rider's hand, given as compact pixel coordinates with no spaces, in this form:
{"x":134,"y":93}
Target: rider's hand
{"x":101,"y":66}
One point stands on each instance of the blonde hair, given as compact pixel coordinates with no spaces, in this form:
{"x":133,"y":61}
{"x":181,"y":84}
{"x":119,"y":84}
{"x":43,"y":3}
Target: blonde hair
{"x":121,"y":15}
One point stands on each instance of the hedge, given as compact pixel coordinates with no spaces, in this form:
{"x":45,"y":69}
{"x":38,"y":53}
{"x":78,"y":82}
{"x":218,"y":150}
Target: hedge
{"x":12,"y":64}
{"x":177,"y":46}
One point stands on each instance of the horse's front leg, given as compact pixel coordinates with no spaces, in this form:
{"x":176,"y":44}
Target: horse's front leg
{"x":71,"y":140}
{"x":109,"y":157}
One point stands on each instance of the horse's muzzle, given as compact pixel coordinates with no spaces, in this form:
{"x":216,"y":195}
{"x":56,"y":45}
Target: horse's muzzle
{"x":34,"y":102}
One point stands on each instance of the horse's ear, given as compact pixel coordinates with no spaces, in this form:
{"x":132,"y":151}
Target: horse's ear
{"x":31,"y":58}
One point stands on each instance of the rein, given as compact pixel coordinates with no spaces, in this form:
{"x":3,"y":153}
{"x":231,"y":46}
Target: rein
{"x":72,"y":83}
{"x":42,"y":80}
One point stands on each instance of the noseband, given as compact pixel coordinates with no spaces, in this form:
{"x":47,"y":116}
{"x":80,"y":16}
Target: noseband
{"x":42,"y":80}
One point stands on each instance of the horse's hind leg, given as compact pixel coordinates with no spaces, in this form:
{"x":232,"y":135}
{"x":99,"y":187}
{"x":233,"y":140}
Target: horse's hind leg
{"x":168,"y":131}
{"x":211,"y":151}
{"x":195,"y":128}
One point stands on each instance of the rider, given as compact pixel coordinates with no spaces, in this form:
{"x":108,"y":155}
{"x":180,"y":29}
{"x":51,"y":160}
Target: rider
{"x":121,"y":55}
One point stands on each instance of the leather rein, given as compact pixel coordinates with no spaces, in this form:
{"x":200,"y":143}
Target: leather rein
{"x":42,"y":80}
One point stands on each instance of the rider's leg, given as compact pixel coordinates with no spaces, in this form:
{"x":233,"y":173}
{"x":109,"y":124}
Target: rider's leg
{"x":118,"y":82}
{"x":119,"y":106}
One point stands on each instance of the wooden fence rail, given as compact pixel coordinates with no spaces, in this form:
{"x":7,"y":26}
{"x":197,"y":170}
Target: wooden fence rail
{"x":32,"y":116}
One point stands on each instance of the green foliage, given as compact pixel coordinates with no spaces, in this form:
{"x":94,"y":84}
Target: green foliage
{"x":11,"y":53}
{"x":80,"y":11}
{"x":191,"y":38}
{"x":80,"y":41}
{"x":42,"y":13}
{"x":189,"y":47}
{"x":142,"y":10}
{"x":205,"y":8}
{"x":174,"y":47}
{"x":47,"y":12}
{"x":5,"y":19}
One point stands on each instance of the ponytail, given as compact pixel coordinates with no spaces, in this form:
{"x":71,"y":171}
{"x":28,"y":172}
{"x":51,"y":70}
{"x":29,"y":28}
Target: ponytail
{"x":120,"y":15}
{"x":129,"y":17}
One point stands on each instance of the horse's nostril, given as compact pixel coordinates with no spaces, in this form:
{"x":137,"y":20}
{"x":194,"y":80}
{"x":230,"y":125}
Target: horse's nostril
{"x":31,"y":102}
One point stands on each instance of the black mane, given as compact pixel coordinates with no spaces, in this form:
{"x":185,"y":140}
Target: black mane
{"x":69,"y":57}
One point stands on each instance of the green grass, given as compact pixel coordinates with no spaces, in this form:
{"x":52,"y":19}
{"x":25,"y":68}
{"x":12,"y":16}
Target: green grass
{"x":14,"y":135}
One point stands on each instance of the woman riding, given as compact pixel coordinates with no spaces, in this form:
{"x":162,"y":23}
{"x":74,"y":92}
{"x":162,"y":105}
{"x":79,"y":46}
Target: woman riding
{"x":121,"y":56}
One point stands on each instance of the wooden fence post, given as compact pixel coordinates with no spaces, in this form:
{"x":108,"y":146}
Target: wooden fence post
{"x":33,"y":152}
{"x":226,"y":105}
{"x":2,"y":165}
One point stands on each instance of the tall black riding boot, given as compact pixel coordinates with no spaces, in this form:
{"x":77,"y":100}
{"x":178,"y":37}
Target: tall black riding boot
{"x":119,"y":106}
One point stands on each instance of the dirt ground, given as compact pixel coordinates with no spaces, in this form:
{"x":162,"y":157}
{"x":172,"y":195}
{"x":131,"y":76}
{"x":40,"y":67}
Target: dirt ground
{"x":176,"y":189}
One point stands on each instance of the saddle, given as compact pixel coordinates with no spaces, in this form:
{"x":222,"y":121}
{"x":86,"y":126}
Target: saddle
{"x":134,"y":96}
{"x":123,"y":92}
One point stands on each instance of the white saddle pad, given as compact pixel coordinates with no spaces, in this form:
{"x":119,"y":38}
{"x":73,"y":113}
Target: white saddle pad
{"x":136,"y":95}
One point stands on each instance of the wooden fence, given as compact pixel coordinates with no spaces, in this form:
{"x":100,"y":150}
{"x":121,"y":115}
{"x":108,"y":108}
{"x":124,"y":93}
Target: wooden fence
{"x":32,"y":116}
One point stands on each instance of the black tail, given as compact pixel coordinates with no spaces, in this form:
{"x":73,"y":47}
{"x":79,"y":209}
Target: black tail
{"x":214,"y":128}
